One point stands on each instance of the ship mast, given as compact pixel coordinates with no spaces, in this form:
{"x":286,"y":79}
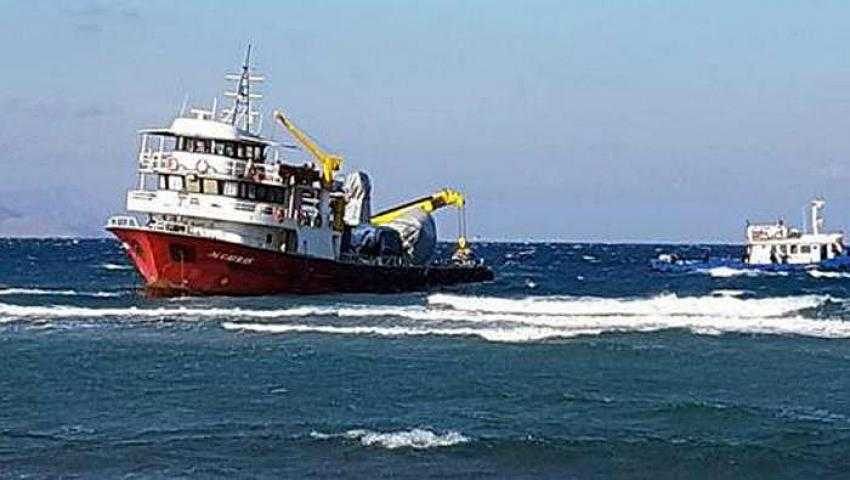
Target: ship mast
{"x":242,"y":96}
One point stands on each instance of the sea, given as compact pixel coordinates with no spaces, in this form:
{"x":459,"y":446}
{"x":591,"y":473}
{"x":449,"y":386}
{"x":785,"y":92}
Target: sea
{"x":578,"y":361}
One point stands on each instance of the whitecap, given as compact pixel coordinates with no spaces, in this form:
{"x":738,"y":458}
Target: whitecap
{"x":529,"y":319}
{"x":508,"y":334}
{"x":67,"y":292}
{"x":115,"y":266}
{"x":823,"y":274}
{"x":560,"y":328}
{"x":416,"y":438}
{"x":668,"y":304}
{"x":727,"y":272}
{"x":9,"y":311}
{"x":730,"y":293}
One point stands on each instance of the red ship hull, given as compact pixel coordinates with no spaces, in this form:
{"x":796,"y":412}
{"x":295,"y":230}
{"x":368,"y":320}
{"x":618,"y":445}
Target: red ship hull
{"x":176,"y":264}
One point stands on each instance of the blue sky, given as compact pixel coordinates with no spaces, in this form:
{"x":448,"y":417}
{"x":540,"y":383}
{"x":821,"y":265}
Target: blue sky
{"x":601,"y":121}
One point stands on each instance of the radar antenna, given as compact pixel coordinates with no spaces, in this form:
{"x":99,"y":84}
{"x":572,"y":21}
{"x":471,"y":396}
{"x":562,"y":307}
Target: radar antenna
{"x":240,"y":113}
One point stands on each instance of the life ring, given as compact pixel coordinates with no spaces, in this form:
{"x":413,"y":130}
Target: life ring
{"x":202,"y":166}
{"x":172,"y":164}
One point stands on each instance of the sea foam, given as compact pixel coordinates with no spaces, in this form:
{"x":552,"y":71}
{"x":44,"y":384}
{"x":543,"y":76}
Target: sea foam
{"x":827,"y":274}
{"x":416,"y":438}
{"x":69,"y":293}
{"x":527,"y":319}
{"x":115,"y":266}
{"x":668,"y":304}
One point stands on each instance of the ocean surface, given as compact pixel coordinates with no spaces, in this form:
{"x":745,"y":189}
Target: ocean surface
{"x":576,"y":362}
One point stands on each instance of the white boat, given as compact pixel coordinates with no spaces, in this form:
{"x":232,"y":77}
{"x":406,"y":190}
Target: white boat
{"x":774,"y":246}
{"x":778,"y":243}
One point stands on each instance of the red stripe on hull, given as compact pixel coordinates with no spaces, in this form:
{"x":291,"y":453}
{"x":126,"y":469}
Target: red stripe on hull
{"x":178,"y":264}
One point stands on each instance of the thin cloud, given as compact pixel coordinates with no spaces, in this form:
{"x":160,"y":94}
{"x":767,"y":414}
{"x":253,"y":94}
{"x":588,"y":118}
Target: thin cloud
{"x":94,"y":18}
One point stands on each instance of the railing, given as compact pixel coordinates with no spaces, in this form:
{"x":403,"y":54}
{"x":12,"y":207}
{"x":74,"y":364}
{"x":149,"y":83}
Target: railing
{"x":221,"y":207}
{"x":210,"y":165}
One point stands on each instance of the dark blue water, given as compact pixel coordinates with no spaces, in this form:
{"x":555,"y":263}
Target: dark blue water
{"x":577,"y":362}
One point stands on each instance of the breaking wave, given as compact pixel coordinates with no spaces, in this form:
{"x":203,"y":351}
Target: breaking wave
{"x":495,"y":319}
{"x":8,"y":311}
{"x":526,"y":333}
{"x":513,"y":334}
{"x":670,"y":304}
{"x":416,"y":438}
{"x":69,"y":293}
{"x":823,"y":274}
{"x":540,"y":318}
{"x":726,"y":272}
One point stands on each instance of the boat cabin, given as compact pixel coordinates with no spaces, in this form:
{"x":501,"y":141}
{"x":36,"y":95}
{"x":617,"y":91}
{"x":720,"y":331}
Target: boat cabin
{"x":777,"y":243}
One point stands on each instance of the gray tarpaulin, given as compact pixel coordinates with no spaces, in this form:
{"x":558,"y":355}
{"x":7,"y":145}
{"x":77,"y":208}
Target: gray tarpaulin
{"x":358,"y":192}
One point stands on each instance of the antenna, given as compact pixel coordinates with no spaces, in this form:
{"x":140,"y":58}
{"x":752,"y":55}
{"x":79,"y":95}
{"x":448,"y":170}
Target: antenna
{"x":242,"y":96}
{"x":185,"y":104}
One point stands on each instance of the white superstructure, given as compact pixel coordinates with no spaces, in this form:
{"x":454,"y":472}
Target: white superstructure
{"x":777,"y":243}
{"x":210,"y":174}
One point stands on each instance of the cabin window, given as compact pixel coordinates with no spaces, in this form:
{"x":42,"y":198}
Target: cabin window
{"x":163,"y":182}
{"x":805,"y":249}
{"x":175,"y":182}
{"x":252,"y":191}
{"x":219,"y":148}
{"x":231,"y":189}
{"x":783,"y":249}
{"x":249,"y":151}
{"x":150,"y":182}
{"x":793,"y":248}
{"x":228,"y":149}
{"x":258,"y":153}
{"x":276,"y":195}
{"x":211,"y":186}
{"x":240,"y":151}
{"x":181,"y":143}
{"x":262,"y":193}
{"x":193,"y":184}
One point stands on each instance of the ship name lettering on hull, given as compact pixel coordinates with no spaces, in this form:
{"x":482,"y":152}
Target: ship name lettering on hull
{"x":229,"y":257}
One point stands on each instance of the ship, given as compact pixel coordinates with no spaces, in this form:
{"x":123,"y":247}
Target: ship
{"x":218,"y":210}
{"x":774,"y":247}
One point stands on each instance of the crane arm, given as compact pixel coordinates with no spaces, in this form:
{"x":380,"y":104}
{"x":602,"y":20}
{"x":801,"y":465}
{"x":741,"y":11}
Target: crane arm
{"x":329,"y":162}
{"x":440,"y":199}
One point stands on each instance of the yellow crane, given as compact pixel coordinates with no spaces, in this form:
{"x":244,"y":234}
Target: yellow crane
{"x":329,"y":162}
{"x":437,"y":200}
